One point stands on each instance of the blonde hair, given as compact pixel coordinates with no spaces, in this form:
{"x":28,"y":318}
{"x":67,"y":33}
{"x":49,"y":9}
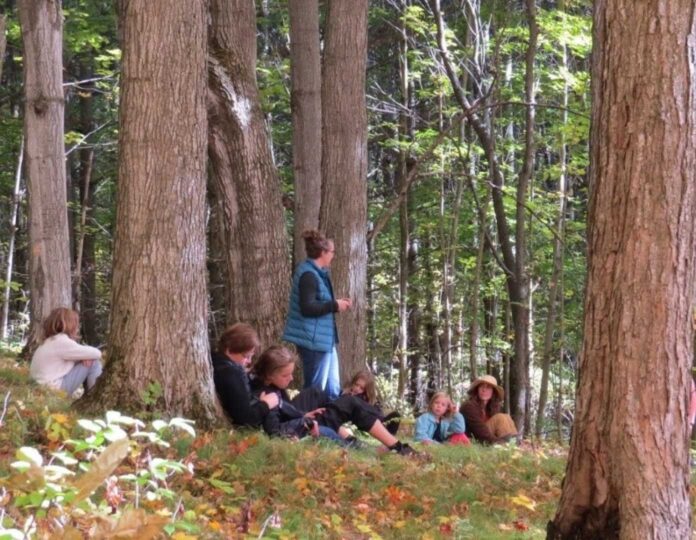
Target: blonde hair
{"x":62,"y":320}
{"x":450,"y":408}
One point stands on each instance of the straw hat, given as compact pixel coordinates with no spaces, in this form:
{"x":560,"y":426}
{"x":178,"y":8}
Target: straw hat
{"x":490,"y":380}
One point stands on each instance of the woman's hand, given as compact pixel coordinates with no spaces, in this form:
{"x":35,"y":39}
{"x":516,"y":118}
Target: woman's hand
{"x":316,"y":412}
{"x":344,"y":304}
{"x":270,"y":399}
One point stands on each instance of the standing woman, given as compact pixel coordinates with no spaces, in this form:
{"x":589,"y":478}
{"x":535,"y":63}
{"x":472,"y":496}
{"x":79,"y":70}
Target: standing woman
{"x":311,"y":325}
{"x":60,"y":362}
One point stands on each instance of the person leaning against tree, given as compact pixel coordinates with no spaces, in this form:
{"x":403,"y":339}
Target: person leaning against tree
{"x":311,"y":324}
{"x":231,"y":364}
{"x":484,"y":421}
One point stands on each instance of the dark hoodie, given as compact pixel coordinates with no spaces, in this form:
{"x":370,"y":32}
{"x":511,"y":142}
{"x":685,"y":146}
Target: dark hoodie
{"x":232,"y":386}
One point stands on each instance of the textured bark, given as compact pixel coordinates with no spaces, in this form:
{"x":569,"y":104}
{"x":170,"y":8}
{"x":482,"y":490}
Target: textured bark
{"x":49,"y":245}
{"x":628,"y":470}
{"x":343,"y":214}
{"x":158,"y":318}
{"x":305,"y":70}
{"x":247,"y":184}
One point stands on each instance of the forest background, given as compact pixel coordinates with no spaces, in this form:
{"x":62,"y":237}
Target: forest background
{"x":465,"y":273}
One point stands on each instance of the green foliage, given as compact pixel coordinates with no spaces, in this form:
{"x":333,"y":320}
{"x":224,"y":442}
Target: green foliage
{"x":105,"y":477}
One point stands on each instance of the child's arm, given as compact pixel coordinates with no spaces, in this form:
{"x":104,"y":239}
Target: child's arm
{"x":422,"y":431}
{"x":457,"y":425}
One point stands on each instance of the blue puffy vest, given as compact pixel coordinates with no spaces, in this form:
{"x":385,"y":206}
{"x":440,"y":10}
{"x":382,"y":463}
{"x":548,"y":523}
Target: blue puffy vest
{"x":313,"y":333}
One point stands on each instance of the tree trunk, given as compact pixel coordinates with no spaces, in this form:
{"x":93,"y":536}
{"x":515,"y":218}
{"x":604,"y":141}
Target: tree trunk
{"x":49,"y":249}
{"x":554,"y":288}
{"x":16,"y":200}
{"x":244,"y":175}
{"x":343,"y":213}
{"x":628,"y":471}
{"x":305,"y":70}
{"x":159,"y":304}
{"x":3,"y":40}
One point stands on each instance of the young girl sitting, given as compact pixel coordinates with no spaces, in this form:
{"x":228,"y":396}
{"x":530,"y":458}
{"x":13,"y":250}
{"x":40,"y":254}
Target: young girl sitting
{"x":442,"y":423}
{"x":312,"y":410}
{"x":362,"y":386}
{"x":60,"y":362}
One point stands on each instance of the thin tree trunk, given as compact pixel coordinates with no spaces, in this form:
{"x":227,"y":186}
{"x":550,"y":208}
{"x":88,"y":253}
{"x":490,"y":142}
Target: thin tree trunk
{"x":244,"y":176}
{"x":16,"y":201}
{"x":159,"y":305}
{"x":49,"y":248}
{"x":554,"y":297}
{"x":305,"y":70}
{"x":3,"y":41}
{"x":343,"y":214}
{"x":628,"y":468}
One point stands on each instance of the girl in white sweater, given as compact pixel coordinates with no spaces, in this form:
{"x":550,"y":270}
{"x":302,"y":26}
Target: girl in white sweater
{"x":60,"y":362}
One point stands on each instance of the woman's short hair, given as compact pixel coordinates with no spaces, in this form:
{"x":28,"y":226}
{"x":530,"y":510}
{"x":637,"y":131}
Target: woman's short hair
{"x":238,"y":338}
{"x":273,"y":359}
{"x":61,"y":320}
{"x":315,"y":243}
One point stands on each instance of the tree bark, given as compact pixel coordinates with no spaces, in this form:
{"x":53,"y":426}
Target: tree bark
{"x":305,"y":71}
{"x":159,"y":303}
{"x":49,"y":246}
{"x":244,"y":175}
{"x":3,"y":41}
{"x":343,"y":214}
{"x":628,"y":470}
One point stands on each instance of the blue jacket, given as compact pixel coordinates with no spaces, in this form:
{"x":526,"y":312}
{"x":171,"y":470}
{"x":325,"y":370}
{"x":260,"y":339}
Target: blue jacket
{"x":426,"y":425}
{"x":313,"y":333}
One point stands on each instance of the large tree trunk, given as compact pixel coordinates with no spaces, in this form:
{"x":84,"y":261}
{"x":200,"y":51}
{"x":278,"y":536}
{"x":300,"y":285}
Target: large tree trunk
{"x":158,"y":319}
{"x":305,"y":69}
{"x":244,"y":175}
{"x":49,"y":245}
{"x":628,"y":470}
{"x":343,"y":213}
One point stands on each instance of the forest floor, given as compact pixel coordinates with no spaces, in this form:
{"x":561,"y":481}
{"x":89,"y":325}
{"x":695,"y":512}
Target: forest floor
{"x":226,"y":484}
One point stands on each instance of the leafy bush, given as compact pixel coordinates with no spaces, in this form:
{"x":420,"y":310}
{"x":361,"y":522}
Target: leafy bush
{"x":111,"y":481}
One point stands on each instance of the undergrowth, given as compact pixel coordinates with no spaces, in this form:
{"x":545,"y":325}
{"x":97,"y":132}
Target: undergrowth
{"x":229,"y":484}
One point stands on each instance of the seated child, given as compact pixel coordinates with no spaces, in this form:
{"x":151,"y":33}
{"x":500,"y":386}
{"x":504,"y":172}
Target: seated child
{"x":60,"y":362}
{"x":362,"y":385}
{"x":442,"y":423}
{"x":274,"y":370}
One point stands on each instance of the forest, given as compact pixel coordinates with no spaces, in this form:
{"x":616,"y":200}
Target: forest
{"x":509,"y":187}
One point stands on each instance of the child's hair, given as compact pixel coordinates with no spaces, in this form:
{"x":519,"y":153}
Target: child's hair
{"x":271,"y":360}
{"x":439,"y":395}
{"x":238,"y":338}
{"x":315,"y":243}
{"x":61,"y":321}
{"x":370,"y":392}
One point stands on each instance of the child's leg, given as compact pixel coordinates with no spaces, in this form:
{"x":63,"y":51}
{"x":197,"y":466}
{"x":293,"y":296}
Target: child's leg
{"x":74,"y":378}
{"x":95,"y":371}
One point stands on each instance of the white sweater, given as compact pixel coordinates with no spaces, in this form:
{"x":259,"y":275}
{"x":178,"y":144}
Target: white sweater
{"x":56,"y":356}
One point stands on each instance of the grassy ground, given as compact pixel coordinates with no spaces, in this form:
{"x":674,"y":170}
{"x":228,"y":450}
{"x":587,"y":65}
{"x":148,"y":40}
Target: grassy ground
{"x":243,"y":485}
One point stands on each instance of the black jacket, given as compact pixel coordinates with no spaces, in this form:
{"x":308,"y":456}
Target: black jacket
{"x":234,"y":392}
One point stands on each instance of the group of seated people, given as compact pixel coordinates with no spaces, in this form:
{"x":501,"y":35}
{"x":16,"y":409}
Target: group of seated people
{"x":257,"y":396}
